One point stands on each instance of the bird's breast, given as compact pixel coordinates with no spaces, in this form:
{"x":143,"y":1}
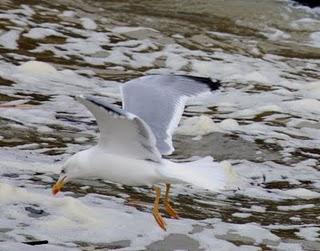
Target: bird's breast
{"x":126,"y":170}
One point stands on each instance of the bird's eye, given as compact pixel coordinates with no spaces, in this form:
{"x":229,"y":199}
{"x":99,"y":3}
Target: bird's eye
{"x":63,"y":171}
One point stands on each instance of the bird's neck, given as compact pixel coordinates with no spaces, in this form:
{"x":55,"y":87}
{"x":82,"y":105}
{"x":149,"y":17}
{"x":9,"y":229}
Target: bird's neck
{"x":82,"y":160}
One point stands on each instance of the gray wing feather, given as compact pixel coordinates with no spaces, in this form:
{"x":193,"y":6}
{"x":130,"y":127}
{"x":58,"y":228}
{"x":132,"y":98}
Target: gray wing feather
{"x":160,"y":99}
{"x":122,"y":132}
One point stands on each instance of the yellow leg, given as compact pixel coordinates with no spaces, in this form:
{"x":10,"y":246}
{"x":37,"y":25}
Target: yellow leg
{"x":155,"y":210}
{"x":166,"y":203}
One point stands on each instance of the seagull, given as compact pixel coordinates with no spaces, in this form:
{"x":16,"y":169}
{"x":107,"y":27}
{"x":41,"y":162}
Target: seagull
{"x":134,"y":139}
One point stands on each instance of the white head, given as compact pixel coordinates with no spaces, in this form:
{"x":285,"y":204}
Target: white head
{"x":73,"y":168}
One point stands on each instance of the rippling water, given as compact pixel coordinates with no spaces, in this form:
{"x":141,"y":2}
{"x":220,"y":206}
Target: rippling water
{"x":265,"y":120}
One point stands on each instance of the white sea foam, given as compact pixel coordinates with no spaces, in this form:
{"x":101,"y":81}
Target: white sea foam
{"x":304,"y":106}
{"x":9,"y":39}
{"x":37,"y":68}
{"x":295,"y":208}
{"x":310,"y":24}
{"x":229,"y":124}
{"x":196,"y":126}
{"x":41,"y":33}
{"x":241,"y":215}
{"x":250,"y":231}
{"x":126,"y":29}
{"x":68,"y":13}
{"x":315,"y":39}
{"x":275,"y":34}
{"x":302,"y":193}
{"x":76,"y":217}
{"x":309,"y":233}
{"x":90,"y":219}
{"x":203,"y":125}
{"x":88,"y":23}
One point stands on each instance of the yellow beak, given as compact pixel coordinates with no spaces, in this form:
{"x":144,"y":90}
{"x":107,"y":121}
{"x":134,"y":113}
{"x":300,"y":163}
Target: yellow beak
{"x":58,"y":185}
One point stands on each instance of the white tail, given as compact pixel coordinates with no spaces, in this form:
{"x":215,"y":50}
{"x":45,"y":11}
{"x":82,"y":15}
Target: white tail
{"x":204,"y":173}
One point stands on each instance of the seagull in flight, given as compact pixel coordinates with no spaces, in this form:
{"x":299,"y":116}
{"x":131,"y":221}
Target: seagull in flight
{"x":134,"y":139}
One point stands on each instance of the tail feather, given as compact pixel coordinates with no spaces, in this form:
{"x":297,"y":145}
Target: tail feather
{"x":204,"y":173}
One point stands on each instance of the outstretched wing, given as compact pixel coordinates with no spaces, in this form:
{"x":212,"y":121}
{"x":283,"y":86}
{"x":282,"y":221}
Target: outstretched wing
{"x":122,"y":132}
{"x":160,"y":99}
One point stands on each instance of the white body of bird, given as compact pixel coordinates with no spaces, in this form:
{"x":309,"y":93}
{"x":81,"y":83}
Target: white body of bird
{"x":96,"y":163}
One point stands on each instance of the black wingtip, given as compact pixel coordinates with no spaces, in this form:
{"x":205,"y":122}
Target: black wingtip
{"x":212,"y":84}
